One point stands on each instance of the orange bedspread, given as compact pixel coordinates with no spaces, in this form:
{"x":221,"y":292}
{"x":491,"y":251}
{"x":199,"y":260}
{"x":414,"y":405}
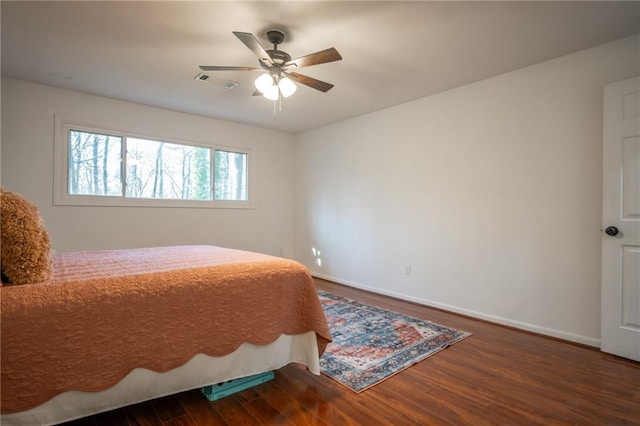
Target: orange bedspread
{"x":104,"y":313}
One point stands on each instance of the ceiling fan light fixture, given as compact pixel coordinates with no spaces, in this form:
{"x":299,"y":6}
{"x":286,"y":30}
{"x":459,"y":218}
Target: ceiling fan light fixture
{"x":264,"y":83}
{"x":271,"y":93}
{"x":287,"y":87}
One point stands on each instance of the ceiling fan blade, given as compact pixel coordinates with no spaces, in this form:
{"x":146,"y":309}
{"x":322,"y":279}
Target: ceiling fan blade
{"x":223,"y":68}
{"x":257,"y":93}
{"x":311,"y":82}
{"x":253,"y":44}
{"x":322,"y":57}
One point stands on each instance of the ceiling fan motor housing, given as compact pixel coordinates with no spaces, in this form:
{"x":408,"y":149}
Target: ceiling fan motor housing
{"x":279,"y":57}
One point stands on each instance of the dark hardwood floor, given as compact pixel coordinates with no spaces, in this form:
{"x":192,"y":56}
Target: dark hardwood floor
{"x":497,"y":376}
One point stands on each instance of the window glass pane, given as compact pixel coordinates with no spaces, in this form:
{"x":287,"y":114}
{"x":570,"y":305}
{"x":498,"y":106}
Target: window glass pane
{"x":231,"y":182}
{"x":167,"y":170}
{"x":94,"y":164}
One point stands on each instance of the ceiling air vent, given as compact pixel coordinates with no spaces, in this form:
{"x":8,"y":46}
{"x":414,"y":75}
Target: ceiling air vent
{"x":228,"y":84}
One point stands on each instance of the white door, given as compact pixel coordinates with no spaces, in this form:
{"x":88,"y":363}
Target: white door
{"x":621,"y":220}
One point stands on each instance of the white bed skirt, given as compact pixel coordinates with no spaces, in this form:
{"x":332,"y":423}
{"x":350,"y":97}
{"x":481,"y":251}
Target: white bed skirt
{"x":202,"y":370}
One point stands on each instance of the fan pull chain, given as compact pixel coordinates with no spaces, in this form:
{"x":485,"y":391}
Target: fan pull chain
{"x":277,"y":102}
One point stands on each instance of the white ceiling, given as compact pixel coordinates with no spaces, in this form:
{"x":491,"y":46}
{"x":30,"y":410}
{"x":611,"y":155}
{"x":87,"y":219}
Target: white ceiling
{"x":393,"y":52}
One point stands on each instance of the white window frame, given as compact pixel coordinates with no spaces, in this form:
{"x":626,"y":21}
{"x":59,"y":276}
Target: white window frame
{"x":62,"y":197}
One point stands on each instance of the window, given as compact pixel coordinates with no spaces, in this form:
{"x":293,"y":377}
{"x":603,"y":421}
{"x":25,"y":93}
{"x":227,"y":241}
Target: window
{"x":167,"y":170}
{"x":102,"y":167}
{"x":231,"y":175}
{"x":94,"y":164}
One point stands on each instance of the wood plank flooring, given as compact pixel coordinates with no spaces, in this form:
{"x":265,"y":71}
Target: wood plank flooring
{"x":497,"y":376}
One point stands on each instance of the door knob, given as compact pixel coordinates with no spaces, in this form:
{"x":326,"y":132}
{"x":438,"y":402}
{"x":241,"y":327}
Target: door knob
{"x":612,"y":231}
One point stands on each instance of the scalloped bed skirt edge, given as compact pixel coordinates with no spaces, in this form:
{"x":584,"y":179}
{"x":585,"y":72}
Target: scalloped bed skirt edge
{"x":202,"y":370}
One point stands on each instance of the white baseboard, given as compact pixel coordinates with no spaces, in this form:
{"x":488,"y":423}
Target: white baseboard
{"x":571,"y":337}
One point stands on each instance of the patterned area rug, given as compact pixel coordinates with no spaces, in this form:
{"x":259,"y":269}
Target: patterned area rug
{"x":371,"y":344}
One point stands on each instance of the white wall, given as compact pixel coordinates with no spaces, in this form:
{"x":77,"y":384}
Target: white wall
{"x":27,"y":167}
{"x":491,"y":192}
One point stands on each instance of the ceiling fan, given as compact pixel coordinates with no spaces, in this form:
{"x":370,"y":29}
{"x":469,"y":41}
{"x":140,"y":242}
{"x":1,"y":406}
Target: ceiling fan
{"x":276,"y":82}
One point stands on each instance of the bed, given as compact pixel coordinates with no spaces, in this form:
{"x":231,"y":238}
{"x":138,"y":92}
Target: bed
{"x":112,"y":328}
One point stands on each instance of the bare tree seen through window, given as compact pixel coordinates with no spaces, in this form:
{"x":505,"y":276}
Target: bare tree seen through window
{"x":94,"y":164}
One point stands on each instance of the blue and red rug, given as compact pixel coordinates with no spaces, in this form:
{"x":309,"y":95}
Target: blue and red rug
{"x":371,"y":344}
